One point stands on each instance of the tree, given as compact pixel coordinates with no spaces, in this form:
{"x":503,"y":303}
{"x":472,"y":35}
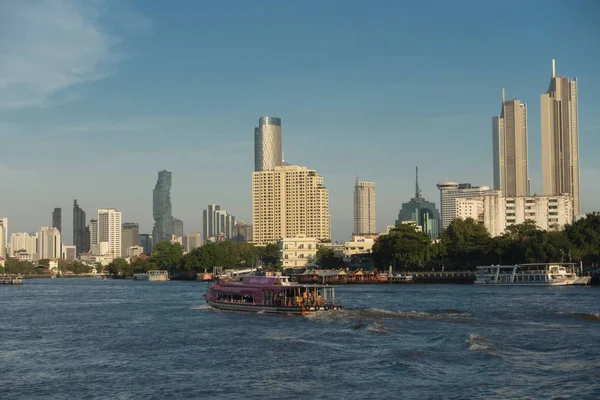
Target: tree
{"x":466,"y":243}
{"x":120,"y":266}
{"x":404,"y":247}
{"x":140,"y":265}
{"x":584,"y":234}
{"x":269,"y":255}
{"x":327,"y":259}
{"x":166,"y":255}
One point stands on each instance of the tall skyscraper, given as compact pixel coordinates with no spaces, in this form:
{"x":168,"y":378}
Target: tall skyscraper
{"x":217,"y":223}
{"x":130,"y":236}
{"x":422,"y":212}
{"x":146,"y":242}
{"x":560,"y":139}
{"x":161,"y":208}
{"x":365,"y":217}
{"x":3,"y":237}
{"x":509,"y":138}
{"x":57,"y":218}
{"x":178,"y":227}
{"x":191,"y":241}
{"x":93,"y":229}
{"x":49,"y":243}
{"x":268,"y":152}
{"x":288,"y":201}
{"x":450,"y":191}
{"x":208,"y":221}
{"x":109,"y":232}
{"x":80,"y":234}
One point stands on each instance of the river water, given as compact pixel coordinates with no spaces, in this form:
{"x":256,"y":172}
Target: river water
{"x":120,"y":339}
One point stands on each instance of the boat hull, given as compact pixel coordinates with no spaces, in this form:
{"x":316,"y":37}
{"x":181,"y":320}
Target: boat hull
{"x":258,"y":308}
{"x":580,"y":281}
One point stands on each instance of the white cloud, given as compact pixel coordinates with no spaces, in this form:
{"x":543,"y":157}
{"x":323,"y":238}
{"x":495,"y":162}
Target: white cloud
{"x":49,"y":46}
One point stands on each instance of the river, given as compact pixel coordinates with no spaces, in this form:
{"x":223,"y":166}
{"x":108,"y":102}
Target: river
{"x":87,"y":338}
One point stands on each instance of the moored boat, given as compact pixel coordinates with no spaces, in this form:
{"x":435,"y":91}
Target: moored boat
{"x":153,"y":275}
{"x":536,"y":274}
{"x":271,"y":293}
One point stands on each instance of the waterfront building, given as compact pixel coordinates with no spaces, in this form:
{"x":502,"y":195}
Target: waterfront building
{"x":509,"y":138}
{"x":68,"y":253}
{"x":242,"y":232}
{"x":288,"y":201}
{"x":560,"y":139}
{"x":365,"y":217}
{"x":22,"y":242}
{"x":449,"y":192}
{"x":49,"y":243}
{"x":161,"y":208}
{"x":146,"y":242}
{"x":130,"y":236}
{"x":177,"y":227}
{"x":268,"y":152}
{"x":22,"y":255}
{"x":57,"y":219}
{"x":471,"y":207}
{"x":191,"y":241}
{"x":81,"y":234}
{"x":4,"y":237}
{"x":298,"y":251}
{"x":422,"y":212}
{"x":358,"y":245}
{"x":108,"y":236}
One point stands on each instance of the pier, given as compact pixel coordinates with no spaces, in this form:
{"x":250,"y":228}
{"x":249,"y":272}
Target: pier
{"x":444,"y":277}
{"x":10,"y":280}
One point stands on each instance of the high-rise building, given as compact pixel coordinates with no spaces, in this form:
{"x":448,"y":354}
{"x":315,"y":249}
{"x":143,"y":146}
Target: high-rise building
{"x":288,"y":201}
{"x":80,"y":233}
{"x":217,"y":223}
{"x":161,"y":208}
{"x":191,"y":241}
{"x":422,"y":212}
{"x":146,"y":242}
{"x":130,"y":236}
{"x":365,"y":217}
{"x":268,"y":152}
{"x":242,"y":232}
{"x":109,"y":232}
{"x":208,"y":221}
{"x":57,"y":218}
{"x":449,"y":192}
{"x":3,"y":237}
{"x":93,"y":228}
{"x":49,"y":243}
{"x":560,"y":139}
{"x":509,"y":138}
{"x":177,"y":227}
{"x":23,"y":242}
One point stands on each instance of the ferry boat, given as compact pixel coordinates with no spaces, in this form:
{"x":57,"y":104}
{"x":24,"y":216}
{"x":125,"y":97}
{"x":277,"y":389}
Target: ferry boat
{"x":272,"y":293}
{"x":153,"y":275}
{"x":540,"y":274}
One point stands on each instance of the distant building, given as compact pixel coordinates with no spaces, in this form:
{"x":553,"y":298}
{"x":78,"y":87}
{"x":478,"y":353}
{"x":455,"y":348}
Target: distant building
{"x":69,"y":253}
{"x":449,"y":192}
{"x":130,"y":236}
{"x":4,"y":237}
{"x":23,"y":242}
{"x":161,"y":208}
{"x":108,"y":233}
{"x":365,"y":215}
{"x":299,"y":251}
{"x":242,"y":232}
{"x":146,"y":242}
{"x":49,"y":243}
{"x":177,"y":227}
{"x":422,"y":212}
{"x":57,"y":219}
{"x":81,"y":234}
{"x":358,"y":245}
{"x":133,"y":251}
{"x":192,"y":241}
{"x":217,"y":222}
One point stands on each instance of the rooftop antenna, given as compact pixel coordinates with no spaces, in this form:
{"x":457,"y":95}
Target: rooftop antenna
{"x":417,"y":191}
{"x":553,"y":68}
{"x":502,"y":95}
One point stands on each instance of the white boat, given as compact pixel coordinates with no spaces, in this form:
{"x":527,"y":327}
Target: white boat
{"x":153,"y":275}
{"x":539,"y":274}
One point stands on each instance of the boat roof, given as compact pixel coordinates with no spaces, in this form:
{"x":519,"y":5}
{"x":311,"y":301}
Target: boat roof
{"x":528,"y":265}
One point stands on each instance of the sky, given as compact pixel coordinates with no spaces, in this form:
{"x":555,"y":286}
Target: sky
{"x":98,"y":96}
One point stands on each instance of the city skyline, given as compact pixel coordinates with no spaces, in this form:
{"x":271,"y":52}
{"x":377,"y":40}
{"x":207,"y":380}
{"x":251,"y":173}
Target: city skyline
{"x":336,"y":108}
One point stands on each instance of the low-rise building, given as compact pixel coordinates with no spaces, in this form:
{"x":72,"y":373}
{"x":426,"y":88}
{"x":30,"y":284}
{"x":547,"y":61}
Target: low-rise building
{"x":298,"y":251}
{"x":69,"y":253}
{"x":134,"y":251}
{"x":359,"y":245}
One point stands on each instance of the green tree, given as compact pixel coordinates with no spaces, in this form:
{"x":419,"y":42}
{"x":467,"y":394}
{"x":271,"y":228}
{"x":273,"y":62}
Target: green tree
{"x":166,"y":255}
{"x":403,"y":247}
{"x":584,"y":234}
{"x":120,"y":266}
{"x":327,"y":259}
{"x":269,"y":255}
{"x":466,"y":243}
{"x":140,"y":265}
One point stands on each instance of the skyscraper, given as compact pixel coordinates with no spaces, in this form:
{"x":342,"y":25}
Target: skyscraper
{"x":57,"y":218}
{"x":365,"y":217}
{"x":217,"y":223}
{"x":450,"y":191}
{"x":268,"y":152}
{"x":146,"y":242}
{"x":161,"y":208}
{"x":422,"y":212}
{"x":208,"y":221}
{"x":23,"y":241}
{"x":130,"y":236}
{"x":79,"y":230}
{"x":109,"y":232}
{"x":288,"y":201}
{"x":509,"y":138}
{"x":560,"y":139}
{"x":3,"y":237}
{"x":178,"y":227}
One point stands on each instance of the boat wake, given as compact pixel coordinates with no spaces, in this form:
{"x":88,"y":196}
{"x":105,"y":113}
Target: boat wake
{"x":433,"y":314}
{"x":479,"y":343}
{"x":205,"y":307}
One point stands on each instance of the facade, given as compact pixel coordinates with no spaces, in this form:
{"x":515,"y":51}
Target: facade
{"x":191,"y":241}
{"x":422,"y":212}
{"x":93,"y":228}
{"x":133,"y":251}
{"x":509,"y":138}
{"x":470,"y":208}
{"x":177,"y":227}
{"x":23,"y":242}
{"x":146,"y":242}
{"x":298,"y":251}
{"x":548,"y":212}
{"x":80,"y":233}
{"x":365,"y":217}
{"x":217,"y":223}
{"x":57,"y":219}
{"x":109,"y":233}
{"x":68,"y":253}
{"x":358,"y":245}
{"x":49,"y":243}
{"x":4,"y":237}
{"x":242,"y":232}
{"x":161,"y":208}
{"x":268,"y":152}
{"x":208,"y":221}
{"x":130,"y":236}
{"x":560,"y":139}
{"x":449,"y":192}
{"x":288,"y":201}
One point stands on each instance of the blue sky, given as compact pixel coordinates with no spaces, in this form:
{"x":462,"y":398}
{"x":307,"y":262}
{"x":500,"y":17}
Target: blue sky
{"x":97,"y":96}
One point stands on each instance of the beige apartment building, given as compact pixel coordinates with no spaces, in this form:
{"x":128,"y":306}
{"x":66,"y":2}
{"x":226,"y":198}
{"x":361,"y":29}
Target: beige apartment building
{"x":299,"y":251}
{"x":288,"y":201}
{"x":365,"y":213}
{"x":560,"y":139}
{"x":509,"y":138}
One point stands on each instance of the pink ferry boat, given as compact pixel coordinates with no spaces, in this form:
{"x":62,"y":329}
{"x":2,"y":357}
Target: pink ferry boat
{"x":273,"y":293}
